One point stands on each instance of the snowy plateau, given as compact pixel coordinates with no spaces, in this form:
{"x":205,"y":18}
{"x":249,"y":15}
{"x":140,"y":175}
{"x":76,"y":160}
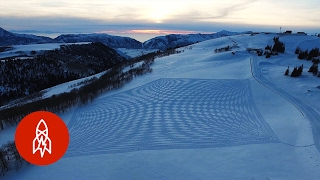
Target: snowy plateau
{"x":198,"y":115}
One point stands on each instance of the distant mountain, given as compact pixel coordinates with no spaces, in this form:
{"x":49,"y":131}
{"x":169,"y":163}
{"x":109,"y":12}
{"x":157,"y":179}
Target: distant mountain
{"x":7,"y":38}
{"x":160,"y":42}
{"x":177,"y":40}
{"x":109,"y":40}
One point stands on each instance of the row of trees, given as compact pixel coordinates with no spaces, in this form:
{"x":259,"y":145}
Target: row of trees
{"x":314,"y":69}
{"x":227,"y":48}
{"x":19,"y":77}
{"x":23,"y":77}
{"x":5,"y":48}
{"x":297,"y":71}
{"x":308,"y":55}
{"x":113,"y":78}
{"x":305,"y":54}
{"x":278,"y":47}
{"x":10,"y":158}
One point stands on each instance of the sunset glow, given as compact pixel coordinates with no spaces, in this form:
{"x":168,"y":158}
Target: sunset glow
{"x":159,"y":17}
{"x":148,"y":31}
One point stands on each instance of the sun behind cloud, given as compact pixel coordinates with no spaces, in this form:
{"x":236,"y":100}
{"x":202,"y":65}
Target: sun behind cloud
{"x":156,"y":14}
{"x":158,"y":11}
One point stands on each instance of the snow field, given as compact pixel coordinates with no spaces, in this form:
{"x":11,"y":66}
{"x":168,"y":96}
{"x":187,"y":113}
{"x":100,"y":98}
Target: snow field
{"x":195,"y":117}
{"x":26,"y":49}
{"x":170,"y":114}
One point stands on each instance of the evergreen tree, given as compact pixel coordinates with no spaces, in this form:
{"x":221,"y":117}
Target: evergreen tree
{"x":268,"y":55}
{"x":278,"y":45}
{"x":300,"y":69}
{"x":297,"y":50}
{"x":313,"y":53}
{"x":295,"y":72}
{"x":287,"y":72}
{"x":303,"y":54}
{"x":268,"y":47}
{"x":314,"y":69}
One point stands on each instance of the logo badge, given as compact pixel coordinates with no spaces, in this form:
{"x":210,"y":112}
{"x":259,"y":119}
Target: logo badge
{"x":42,"y":138}
{"x":42,"y":141}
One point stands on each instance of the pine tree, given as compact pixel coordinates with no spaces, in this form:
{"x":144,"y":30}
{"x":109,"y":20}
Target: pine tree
{"x":303,"y":54}
{"x":300,"y":69}
{"x":297,"y":50}
{"x":278,"y":45}
{"x":295,"y":72}
{"x":287,"y":72}
{"x":268,"y":55}
{"x":313,"y":53}
{"x":314,"y":69}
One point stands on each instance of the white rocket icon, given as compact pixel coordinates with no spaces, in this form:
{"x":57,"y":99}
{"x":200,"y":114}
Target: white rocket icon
{"x":42,"y":141}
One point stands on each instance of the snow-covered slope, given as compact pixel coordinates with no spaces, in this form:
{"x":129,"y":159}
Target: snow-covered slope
{"x":131,"y":53}
{"x":199,"y":115}
{"x":109,"y":40}
{"x":25,"y":50}
{"x":178,"y":40}
{"x":8,"y":38}
{"x":159,"y":43}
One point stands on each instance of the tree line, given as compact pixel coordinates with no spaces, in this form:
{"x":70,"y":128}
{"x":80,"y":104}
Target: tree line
{"x":21,"y":77}
{"x":297,"y":71}
{"x":112,"y":79}
{"x":227,"y":48}
{"x":10,"y":158}
{"x":313,"y":55}
{"x":306,"y":54}
{"x":278,"y":47}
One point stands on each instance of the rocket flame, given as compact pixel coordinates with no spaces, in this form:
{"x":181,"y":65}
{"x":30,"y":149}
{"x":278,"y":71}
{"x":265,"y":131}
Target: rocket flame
{"x":42,"y":141}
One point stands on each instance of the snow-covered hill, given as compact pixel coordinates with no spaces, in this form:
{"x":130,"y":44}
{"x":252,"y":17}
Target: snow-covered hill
{"x":178,"y":40}
{"x":159,"y":43}
{"x":199,"y":115}
{"x":54,"y":67}
{"x":7,"y":38}
{"x":109,"y":40}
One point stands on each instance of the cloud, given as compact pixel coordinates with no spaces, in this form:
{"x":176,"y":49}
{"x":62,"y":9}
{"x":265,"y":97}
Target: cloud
{"x":219,"y":12}
{"x":190,"y":15}
{"x":148,"y":31}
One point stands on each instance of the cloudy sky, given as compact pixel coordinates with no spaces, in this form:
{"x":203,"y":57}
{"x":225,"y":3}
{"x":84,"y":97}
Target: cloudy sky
{"x":159,"y":16}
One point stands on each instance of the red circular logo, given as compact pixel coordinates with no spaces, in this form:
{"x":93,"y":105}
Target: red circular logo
{"x":42,"y":138}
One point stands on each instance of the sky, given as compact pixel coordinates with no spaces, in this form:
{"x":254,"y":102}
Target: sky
{"x":159,"y":16}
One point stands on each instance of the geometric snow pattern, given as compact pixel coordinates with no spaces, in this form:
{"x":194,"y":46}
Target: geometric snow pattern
{"x":170,"y":114}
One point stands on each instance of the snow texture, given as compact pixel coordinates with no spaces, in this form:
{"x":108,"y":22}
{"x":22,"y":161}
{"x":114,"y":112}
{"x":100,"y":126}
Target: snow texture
{"x":199,"y":115}
{"x":170,"y":114}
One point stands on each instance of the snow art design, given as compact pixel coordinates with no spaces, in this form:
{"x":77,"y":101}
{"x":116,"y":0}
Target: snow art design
{"x":170,"y":114}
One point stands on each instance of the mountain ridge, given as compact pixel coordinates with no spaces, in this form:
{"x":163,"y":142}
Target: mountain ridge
{"x":160,"y":42}
{"x":178,"y":40}
{"x":8,"y":38}
{"x":109,"y":40}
